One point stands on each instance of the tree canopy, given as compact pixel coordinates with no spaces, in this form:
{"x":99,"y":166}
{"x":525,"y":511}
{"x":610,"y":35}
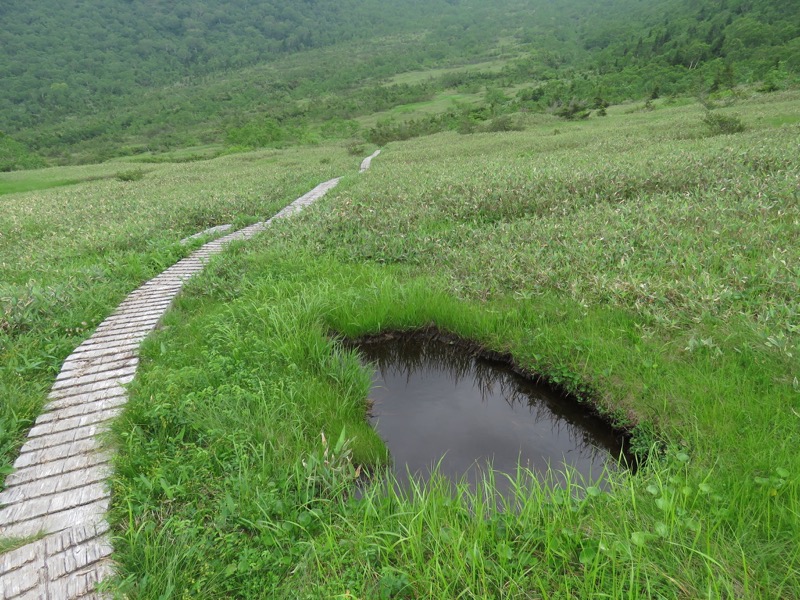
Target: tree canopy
{"x":79,"y":70}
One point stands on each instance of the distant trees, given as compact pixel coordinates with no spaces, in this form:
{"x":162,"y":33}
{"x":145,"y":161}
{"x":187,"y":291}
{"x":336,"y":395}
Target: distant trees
{"x":80,"y":77}
{"x":257,"y":134}
{"x":105,"y":49}
{"x":14,"y":156}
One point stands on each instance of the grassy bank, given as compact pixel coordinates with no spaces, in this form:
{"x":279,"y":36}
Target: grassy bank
{"x":69,"y":255}
{"x":642,"y":260}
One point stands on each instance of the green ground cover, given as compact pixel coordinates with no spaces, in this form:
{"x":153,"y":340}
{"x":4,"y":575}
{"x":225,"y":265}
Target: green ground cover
{"x":96,"y":86}
{"x":443,"y":102}
{"x":69,"y":255}
{"x":644,"y":260}
{"x":17,"y":182}
{"x":414,"y":77}
{"x":32,"y":184}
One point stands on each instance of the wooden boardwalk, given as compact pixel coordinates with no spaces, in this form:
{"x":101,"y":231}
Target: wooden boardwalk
{"x":57,"y":492}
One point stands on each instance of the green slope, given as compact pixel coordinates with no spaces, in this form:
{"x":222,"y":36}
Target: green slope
{"x":86,"y":81}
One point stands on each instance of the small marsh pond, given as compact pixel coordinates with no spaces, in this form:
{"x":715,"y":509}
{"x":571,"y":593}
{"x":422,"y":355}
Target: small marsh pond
{"x":436,"y":402}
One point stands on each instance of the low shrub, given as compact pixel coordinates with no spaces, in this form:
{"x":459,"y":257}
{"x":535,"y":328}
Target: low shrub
{"x":131,"y":175}
{"x":719,"y":124}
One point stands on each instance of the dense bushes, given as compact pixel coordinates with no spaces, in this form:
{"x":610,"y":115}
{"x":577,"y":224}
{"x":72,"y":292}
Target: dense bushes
{"x":14,"y":155}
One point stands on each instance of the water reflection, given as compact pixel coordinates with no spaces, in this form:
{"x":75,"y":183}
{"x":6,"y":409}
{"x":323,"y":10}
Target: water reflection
{"x":435,"y":403}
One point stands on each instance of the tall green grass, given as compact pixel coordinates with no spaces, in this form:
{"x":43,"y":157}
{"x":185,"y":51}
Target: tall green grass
{"x":69,"y":255}
{"x":636,"y":260}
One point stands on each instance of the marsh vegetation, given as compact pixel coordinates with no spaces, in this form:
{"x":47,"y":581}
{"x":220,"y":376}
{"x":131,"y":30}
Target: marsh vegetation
{"x":607,"y":194}
{"x":644,"y":265}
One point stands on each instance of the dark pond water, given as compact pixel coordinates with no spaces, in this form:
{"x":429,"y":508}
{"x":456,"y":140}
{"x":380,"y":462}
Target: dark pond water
{"x":435,"y":402}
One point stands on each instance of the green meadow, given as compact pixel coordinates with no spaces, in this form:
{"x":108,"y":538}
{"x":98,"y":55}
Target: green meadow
{"x":646,"y":261}
{"x":69,"y":254}
{"x":606,"y":193}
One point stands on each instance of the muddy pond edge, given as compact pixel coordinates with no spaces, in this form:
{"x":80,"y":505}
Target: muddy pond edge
{"x":625,"y":430}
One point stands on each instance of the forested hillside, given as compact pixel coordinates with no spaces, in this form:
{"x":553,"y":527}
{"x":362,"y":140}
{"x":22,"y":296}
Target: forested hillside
{"x":59,"y":54}
{"x":86,"y":80}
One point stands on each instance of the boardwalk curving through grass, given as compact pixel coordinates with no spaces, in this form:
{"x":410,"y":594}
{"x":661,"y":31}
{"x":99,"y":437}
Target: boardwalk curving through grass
{"x":367,"y":162}
{"x":57,"y":496}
